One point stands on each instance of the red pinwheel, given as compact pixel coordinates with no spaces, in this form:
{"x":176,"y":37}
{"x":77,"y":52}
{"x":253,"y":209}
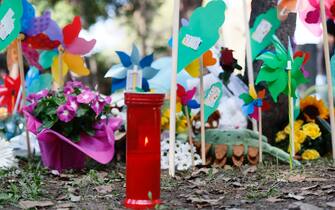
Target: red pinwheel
{"x":9,"y":92}
{"x":184,"y":98}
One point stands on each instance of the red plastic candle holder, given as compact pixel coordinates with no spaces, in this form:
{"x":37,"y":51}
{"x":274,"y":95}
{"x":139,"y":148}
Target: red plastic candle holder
{"x":143,"y":149}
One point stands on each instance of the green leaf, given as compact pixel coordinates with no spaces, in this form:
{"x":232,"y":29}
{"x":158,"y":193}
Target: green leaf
{"x":82,"y":110}
{"x":246,"y":98}
{"x":46,"y":125}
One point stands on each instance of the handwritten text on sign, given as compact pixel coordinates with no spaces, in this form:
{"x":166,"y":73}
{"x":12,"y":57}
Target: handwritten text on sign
{"x":7,"y":24}
{"x":192,"y":42}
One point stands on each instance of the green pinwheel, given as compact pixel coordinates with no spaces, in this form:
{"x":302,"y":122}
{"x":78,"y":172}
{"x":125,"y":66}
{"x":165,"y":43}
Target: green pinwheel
{"x":274,"y":70}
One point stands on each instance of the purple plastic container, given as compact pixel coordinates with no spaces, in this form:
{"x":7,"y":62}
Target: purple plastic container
{"x":59,"y":152}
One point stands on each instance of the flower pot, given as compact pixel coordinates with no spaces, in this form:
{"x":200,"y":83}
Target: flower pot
{"x":60,"y":153}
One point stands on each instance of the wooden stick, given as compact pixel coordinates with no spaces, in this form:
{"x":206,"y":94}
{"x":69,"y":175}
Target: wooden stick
{"x":21,"y":69}
{"x":291,"y":113}
{"x":60,"y":66}
{"x":329,"y":75}
{"x":190,"y":134}
{"x":202,"y":112}
{"x":173,"y":88}
{"x":260,"y":131}
{"x":249,"y":54}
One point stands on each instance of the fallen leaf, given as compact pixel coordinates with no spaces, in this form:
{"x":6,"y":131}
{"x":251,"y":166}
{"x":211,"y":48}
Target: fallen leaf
{"x":198,"y":200}
{"x":250,"y":170}
{"x":303,"y":206}
{"x":296,"y":197}
{"x":65,"y":205}
{"x":205,"y":171}
{"x":75,"y":198}
{"x":326,"y":187}
{"x":274,"y":199}
{"x":296,"y":178}
{"x":310,"y":187}
{"x":34,"y":204}
{"x":316,"y":179}
{"x":104,"y":189}
{"x":236,"y":184}
{"x":331,"y":204}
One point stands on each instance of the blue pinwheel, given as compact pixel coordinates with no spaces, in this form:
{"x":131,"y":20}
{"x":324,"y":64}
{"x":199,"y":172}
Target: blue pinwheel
{"x":36,"y":82}
{"x":118,"y":73}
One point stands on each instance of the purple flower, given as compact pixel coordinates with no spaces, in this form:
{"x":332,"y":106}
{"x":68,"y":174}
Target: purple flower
{"x":66,"y":113}
{"x":98,"y":105}
{"x":100,"y":124}
{"x":37,"y":96}
{"x":68,"y":90}
{"x":74,"y":84}
{"x":86,"y":97}
{"x":108,"y":100}
{"x":72,"y":102}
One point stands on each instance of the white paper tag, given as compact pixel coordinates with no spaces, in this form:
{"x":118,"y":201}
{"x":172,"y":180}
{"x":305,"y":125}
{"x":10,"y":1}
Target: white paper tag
{"x":192,"y":42}
{"x":261,"y":31}
{"x":7,"y":24}
{"x":212,"y":97}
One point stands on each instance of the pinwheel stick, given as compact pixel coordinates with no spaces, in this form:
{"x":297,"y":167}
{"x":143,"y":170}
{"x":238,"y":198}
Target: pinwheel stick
{"x":60,"y":66}
{"x":291,"y":113}
{"x":260,"y":131}
{"x":329,"y":75}
{"x":249,"y":55}
{"x":202,"y":112}
{"x":189,"y":128}
{"x":173,"y":88}
{"x":21,"y":69}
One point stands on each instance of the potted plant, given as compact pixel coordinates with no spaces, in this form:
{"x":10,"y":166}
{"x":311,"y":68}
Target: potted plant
{"x":70,"y":124}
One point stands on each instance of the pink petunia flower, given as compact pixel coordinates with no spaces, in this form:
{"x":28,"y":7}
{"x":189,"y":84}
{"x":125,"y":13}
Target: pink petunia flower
{"x":66,"y":113}
{"x":98,"y":105}
{"x":72,"y":102}
{"x":86,"y":97}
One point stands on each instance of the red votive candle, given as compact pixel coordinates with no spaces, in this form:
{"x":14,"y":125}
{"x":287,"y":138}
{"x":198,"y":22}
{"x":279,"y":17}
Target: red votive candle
{"x":143,"y":149}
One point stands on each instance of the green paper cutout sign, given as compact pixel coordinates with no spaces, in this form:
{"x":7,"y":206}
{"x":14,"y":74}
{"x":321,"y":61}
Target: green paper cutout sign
{"x":265,"y":26}
{"x":212,"y":99}
{"x":202,"y":32}
{"x":10,"y":20}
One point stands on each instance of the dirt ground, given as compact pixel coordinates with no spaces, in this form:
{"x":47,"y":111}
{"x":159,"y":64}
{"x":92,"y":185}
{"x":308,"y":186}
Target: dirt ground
{"x":269,"y":186}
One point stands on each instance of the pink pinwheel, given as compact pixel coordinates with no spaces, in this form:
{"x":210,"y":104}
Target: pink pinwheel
{"x":310,"y":15}
{"x":184,"y":98}
{"x":74,"y":48}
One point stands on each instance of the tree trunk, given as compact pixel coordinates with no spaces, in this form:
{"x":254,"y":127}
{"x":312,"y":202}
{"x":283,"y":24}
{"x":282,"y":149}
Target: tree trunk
{"x":276,"y":118}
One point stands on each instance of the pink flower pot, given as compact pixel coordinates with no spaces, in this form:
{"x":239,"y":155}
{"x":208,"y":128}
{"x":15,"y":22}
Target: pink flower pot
{"x":60,"y":153}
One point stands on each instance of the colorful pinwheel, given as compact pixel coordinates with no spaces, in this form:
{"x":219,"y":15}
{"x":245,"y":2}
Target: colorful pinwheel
{"x":118,"y":73}
{"x":9,"y":92}
{"x":253,"y":101}
{"x":41,"y":33}
{"x":35,"y":82}
{"x":74,"y":48}
{"x":184,"y":99}
{"x":274,"y":73}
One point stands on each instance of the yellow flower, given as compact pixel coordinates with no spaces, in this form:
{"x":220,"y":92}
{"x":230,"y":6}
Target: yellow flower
{"x":181,"y":125}
{"x":3,"y":113}
{"x":312,"y":130}
{"x":312,"y":108}
{"x":297,"y":126}
{"x":165,"y":120}
{"x":299,"y":136}
{"x":310,"y":154}
{"x":297,"y":147}
{"x":280,"y":136}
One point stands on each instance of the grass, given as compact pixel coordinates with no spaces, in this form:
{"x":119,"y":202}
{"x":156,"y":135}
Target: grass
{"x":24,"y":183}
